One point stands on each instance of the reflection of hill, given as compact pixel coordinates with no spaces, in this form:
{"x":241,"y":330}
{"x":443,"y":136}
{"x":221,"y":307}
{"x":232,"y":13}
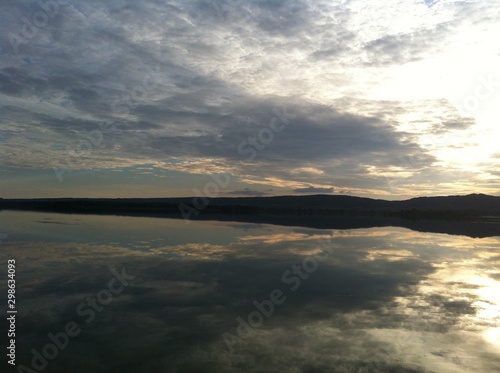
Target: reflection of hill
{"x":348,"y":221}
{"x":475,"y":215}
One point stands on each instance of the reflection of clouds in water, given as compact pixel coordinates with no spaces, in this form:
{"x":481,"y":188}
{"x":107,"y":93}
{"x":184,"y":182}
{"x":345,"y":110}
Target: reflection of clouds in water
{"x":417,"y":302}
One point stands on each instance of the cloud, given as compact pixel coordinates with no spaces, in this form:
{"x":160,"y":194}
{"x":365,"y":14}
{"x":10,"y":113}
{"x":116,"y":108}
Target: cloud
{"x":311,"y":189}
{"x":191,"y":81}
{"x":247,"y":192}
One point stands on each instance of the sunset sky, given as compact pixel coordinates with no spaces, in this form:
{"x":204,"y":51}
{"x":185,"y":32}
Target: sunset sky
{"x":385,"y":99}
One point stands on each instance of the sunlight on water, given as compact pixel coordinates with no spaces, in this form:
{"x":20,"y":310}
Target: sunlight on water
{"x":364,"y":300}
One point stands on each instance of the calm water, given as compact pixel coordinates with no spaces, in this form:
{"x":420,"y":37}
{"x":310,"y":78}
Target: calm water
{"x":159,"y":295}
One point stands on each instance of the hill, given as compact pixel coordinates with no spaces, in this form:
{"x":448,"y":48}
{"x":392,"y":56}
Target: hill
{"x":472,"y":203}
{"x":475,"y":215}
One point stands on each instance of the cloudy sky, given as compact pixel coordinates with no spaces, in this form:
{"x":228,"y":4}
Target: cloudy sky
{"x":388,"y":99}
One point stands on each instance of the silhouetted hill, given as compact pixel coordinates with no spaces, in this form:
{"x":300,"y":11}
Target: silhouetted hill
{"x":473,"y":203}
{"x":475,"y":215}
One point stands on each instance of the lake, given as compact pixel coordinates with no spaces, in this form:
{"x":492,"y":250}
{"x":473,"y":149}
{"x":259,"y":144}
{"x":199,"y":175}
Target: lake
{"x":136,"y":294}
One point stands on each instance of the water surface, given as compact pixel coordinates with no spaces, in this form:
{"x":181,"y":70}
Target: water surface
{"x":361,"y":300}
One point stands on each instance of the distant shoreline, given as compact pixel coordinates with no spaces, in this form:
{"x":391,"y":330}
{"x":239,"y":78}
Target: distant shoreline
{"x":320,"y":211}
{"x":475,"y":206}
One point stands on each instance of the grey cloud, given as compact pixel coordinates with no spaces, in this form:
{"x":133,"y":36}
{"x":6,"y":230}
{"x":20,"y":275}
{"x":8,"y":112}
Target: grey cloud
{"x":451,"y":124}
{"x":247,"y":192}
{"x":312,"y":189}
{"x":404,"y":48}
{"x":93,"y":56}
{"x":316,"y":133}
{"x":18,"y":82}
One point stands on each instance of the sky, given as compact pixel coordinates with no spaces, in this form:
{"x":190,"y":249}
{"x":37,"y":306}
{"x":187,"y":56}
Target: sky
{"x":384,"y":99}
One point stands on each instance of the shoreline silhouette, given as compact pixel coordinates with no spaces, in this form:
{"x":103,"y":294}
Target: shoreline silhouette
{"x":475,"y":215}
